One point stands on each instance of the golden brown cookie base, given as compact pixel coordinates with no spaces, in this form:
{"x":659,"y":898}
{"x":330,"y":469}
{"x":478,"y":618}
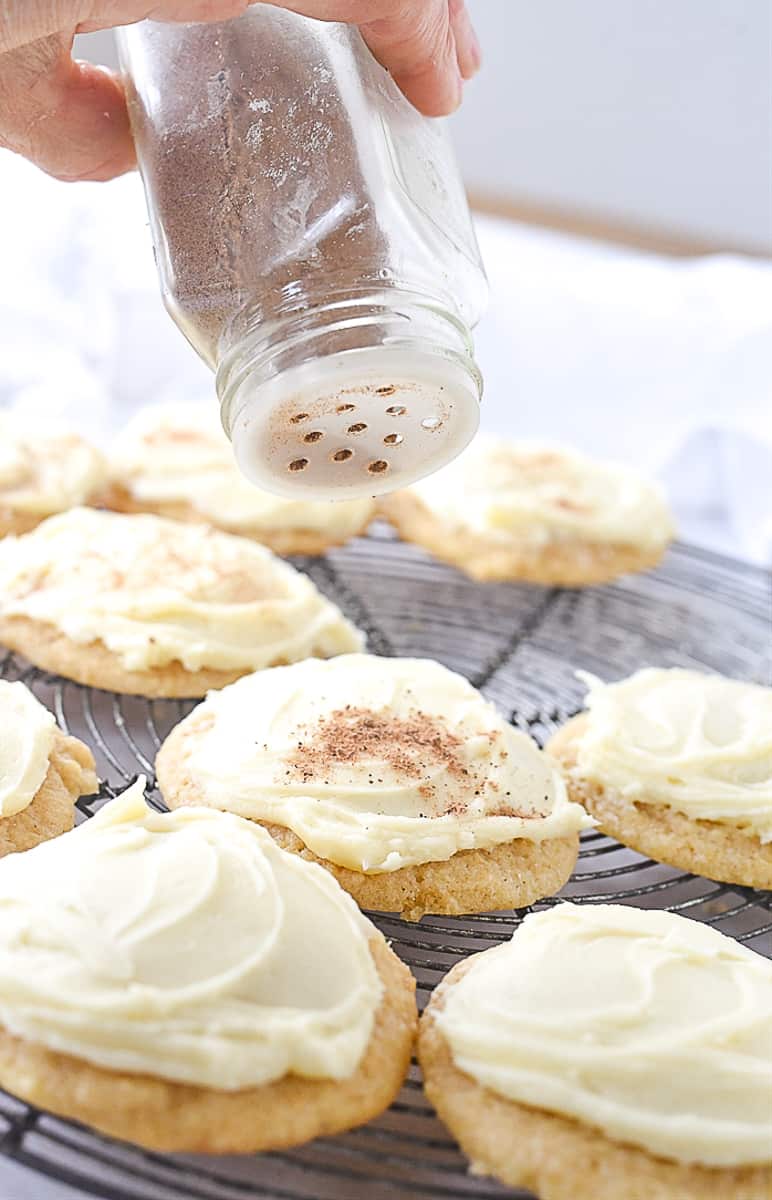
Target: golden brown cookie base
{"x":707,"y":848}
{"x":556,"y":1157}
{"x":96,"y":666}
{"x":567,"y":563}
{"x":512,"y":875}
{"x":19,"y":522}
{"x":281,"y":541}
{"x":51,"y":811}
{"x":14,"y":521}
{"x":162,"y":1115}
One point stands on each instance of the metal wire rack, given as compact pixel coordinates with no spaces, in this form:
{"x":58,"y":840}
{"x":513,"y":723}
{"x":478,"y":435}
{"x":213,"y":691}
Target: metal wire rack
{"x":521,"y":645}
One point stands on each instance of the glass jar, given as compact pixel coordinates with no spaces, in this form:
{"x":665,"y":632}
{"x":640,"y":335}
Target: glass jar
{"x":314,"y":245}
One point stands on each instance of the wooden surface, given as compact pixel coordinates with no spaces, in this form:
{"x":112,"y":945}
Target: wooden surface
{"x":603,"y":229}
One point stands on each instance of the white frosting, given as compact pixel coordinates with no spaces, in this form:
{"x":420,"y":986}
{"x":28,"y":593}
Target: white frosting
{"x":184,"y":945}
{"x":44,"y":470}
{"x":27,"y":732}
{"x":648,"y":1026}
{"x":157,"y":591}
{"x":538,"y":493}
{"x":376,"y":763}
{"x":701,"y":744}
{"x":178,"y":453}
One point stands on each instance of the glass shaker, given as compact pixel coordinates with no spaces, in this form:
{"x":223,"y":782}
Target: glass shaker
{"x":314,"y":245}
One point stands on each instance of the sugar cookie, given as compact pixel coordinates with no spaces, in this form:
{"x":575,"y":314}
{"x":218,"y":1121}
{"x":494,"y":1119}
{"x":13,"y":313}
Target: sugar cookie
{"x":42,"y":772}
{"x":394,"y":774}
{"x":678,"y":765}
{"x":144,"y":605}
{"x":545,"y":514}
{"x":608,"y":1051}
{"x":42,"y":471}
{"x":175,"y":460}
{"x":179,"y":981}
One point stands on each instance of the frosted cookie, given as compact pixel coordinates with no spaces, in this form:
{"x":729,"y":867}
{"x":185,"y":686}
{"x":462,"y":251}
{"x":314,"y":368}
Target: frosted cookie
{"x":42,"y":471}
{"x":175,"y":460}
{"x":42,"y":772}
{"x":678,"y":765}
{"x":516,"y":510}
{"x":179,"y":981}
{"x":143,"y":605}
{"x":395,"y":774}
{"x":608,"y":1052}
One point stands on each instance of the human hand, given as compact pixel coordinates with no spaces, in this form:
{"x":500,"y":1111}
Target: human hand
{"x":70,"y":117}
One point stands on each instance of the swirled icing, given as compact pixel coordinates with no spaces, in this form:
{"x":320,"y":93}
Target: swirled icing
{"x":653,"y":1028}
{"x":376,"y":763}
{"x":700,"y":744}
{"x":537,"y":493}
{"x":184,"y":945}
{"x":156,"y":591}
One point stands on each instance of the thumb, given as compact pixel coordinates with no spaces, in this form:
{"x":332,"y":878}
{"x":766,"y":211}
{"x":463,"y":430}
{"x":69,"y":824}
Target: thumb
{"x":68,"y":117}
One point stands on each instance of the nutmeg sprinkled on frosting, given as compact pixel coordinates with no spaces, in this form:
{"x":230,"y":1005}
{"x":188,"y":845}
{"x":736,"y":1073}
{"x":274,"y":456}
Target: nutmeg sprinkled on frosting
{"x":352,"y":735}
{"x":376,"y":763}
{"x":156,"y":591}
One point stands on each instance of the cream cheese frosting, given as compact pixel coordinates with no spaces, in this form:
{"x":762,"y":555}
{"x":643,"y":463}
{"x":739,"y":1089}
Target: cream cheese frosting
{"x":376,"y":763}
{"x":184,"y":945}
{"x":538,"y":493}
{"x":178,"y":453}
{"x":700,"y":744}
{"x":43,"y":470}
{"x":156,"y":591}
{"x":28,"y":732}
{"x":651,"y":1027}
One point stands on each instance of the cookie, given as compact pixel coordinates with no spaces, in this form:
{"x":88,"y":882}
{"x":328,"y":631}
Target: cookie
{"x":678,"y":766}
{"x":394,"y":774}
{"x":146,"y":606}
{"x":543,"y":514}
{"x":505,"y":1068}
{"x":233,"y":998}
{"x":175,"y":460}
{"x":43,"y":470}
{"x":42,"y":772}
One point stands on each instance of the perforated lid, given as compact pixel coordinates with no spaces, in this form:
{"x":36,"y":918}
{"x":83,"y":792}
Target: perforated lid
{"x":356,"y":425}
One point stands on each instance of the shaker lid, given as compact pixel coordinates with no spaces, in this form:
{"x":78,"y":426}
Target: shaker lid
{"x":358,"y":423}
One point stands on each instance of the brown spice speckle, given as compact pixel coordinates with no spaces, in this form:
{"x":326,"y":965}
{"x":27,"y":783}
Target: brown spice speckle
{"x":407,"y":744}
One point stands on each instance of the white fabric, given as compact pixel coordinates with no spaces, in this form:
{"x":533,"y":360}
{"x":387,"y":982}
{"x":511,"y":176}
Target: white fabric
{"x":663,"y":363}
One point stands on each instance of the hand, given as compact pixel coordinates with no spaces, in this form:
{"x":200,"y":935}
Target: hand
{"x":70,"y":117}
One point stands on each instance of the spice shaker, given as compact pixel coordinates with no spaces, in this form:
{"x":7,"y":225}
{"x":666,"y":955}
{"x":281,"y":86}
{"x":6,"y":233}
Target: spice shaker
{"x":314,"y":245}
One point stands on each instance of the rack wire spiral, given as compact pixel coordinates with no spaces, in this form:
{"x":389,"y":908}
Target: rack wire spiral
{"x":521,"y":646}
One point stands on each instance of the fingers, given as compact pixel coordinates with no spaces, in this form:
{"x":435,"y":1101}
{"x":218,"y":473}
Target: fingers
{"x":468,"y":52}
{"x":70,"y":118}
{"x":428,"y":46}
{"x":25,"y":21}
{"x":418,"y":48}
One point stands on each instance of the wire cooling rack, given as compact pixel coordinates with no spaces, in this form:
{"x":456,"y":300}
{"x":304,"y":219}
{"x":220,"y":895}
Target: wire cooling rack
{"x":521,"y":645}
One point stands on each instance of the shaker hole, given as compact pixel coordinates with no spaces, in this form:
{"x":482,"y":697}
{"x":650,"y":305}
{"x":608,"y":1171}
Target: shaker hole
{"x":378,"y":467}
{"x":360,"y":427}
{"x":396,"y":410}
{"x":388,"y":390}
{"x":342,"y":455}
{"x":345,"y":408}
{"x":393,"y":439}
{"x":430,"y":423}
{"x":298,"y":464}
{"x":298,"y":417}
{"x":315,"y":435}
